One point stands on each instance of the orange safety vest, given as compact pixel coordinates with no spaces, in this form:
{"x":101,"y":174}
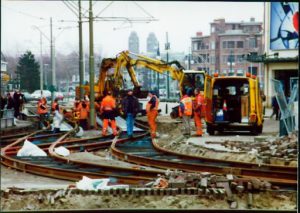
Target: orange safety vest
{"x":108,"y":103}
{"x":148,"y":106}
{"x":83,"y":112}
{"x":53,"y":107}
{"x":42,"y":107}
{"x":198,"y":103}
{"x":188,"y":105}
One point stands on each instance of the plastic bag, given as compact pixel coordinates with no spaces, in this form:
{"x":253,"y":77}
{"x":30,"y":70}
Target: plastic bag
{"x":30,"y":149}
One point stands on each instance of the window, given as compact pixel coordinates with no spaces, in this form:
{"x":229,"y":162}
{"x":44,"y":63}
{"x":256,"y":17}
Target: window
{"x":225,"y":59}
{"x":240,"y":44}
{"x":212,"y":59}
{"x":224,"y":44}
{"x":230,"y":44}
{"x":213,"y":29}
{"x":212,"y":45}
{"x":195,"y":46}
{"x":252,"y":43}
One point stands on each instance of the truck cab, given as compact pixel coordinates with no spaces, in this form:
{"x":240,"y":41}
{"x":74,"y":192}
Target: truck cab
{"x":233,"y":103}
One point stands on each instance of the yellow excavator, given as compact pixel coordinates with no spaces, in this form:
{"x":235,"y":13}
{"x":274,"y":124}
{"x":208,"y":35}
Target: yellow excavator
{"x":111,"y":74}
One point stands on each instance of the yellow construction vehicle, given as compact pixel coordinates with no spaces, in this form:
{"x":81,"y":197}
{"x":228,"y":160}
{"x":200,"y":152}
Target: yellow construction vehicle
{"x":233,"y":103}
{"x":111,"y":74}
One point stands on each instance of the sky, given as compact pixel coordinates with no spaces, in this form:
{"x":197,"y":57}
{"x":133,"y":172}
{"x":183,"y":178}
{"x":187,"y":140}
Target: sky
{"x":180,"y":19}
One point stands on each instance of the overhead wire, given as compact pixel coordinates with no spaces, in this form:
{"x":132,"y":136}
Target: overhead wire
{"x":26,"y":14}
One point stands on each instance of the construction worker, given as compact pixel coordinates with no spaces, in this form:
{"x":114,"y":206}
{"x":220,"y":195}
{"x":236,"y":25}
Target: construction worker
{"x":152,"y":112}
{"x":130,"y":107}
{"x":42,"y":110}
{"x":198,"y":110}
{"x":57,"y":119}
{"x":107,"y":108}
{"x":84,"y":110}
{"x":76,"y":111}
{"x":54,"y":104}
{"x":186,"y":111}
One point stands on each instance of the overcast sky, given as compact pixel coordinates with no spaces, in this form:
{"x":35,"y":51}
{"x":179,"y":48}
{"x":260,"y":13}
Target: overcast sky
{"x":180,"y":19}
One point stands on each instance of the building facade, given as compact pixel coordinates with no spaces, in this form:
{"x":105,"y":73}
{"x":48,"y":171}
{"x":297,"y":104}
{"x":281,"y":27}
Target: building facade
{"x":152,"y":43}
{"x":4,"y":74}
{"x":281,"y":45}
{"x":227,"y":46}
{"x":133,"y":43}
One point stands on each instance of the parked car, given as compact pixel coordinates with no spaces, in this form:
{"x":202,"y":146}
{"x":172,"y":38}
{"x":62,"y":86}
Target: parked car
{"x":27,"y":96}
{"x":37,"y":94}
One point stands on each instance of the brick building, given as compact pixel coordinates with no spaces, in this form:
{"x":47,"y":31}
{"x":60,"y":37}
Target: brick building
{"x":225,"y":49}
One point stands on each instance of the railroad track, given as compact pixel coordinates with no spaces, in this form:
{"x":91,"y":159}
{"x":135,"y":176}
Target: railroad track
{"x":141,"y":151}
{"x":146,"y":152}
{"x":59,"y":167}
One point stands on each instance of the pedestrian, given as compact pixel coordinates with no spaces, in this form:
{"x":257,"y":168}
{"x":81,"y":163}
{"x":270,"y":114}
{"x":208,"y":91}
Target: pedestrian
{"x":152,"y":112}
{"x":275,"y":108}
{"x":107,"y":109}
{"x":55,"y":105}
{"x":198,"y":110}
{"x":84,"y":110}
{"x":3,"y":103}
{"x":10,"y":101}
{"x":17,"y":103}
{"x":57,"y":119}
{"x":42,"y":110}
{"x":186,"y":111}
{"x":130,"y":107}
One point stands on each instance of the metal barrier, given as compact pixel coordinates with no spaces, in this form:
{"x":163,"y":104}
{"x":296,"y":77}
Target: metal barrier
{"x":7,"y":118}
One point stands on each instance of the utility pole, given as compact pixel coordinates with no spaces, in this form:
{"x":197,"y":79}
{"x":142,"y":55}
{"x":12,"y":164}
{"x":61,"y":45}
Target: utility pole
{"x":52,"y":60}
{"x":157,"y":75}
{"x":167,"y":47}
{"x":91,"y":64}
{"x":81,"y":70}
{"x":41,"y":67}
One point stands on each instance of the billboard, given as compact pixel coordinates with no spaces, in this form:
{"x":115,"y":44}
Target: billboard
{"x":284,"y":25}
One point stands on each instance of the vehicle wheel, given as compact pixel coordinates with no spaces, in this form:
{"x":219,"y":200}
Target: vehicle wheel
{"x":210,"y":130}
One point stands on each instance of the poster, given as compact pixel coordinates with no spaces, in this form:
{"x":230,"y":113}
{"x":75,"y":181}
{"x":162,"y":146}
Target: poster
{"x":284,"y":25}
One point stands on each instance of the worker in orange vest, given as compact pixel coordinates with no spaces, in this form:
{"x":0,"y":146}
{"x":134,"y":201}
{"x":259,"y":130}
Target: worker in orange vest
{"x":54,"y":104}
{"x":107,"y":108}
{"x":186,"y":111}
{"x":76,"y":111}
{"x":198,"y":111}
{"x":152,"y":112}
{"x":84,"y":110}
{"x":42,"y":110}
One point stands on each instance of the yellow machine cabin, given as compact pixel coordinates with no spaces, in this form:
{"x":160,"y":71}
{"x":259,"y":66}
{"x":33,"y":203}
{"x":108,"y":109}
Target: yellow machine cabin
{"x":233,"y":103}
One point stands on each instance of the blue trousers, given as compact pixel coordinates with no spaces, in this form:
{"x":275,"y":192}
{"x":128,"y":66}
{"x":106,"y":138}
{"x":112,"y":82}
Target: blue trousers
{"x":129,"y":123}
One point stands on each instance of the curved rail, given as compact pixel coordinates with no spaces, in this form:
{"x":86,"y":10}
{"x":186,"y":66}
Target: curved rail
{"x":150,"y":156}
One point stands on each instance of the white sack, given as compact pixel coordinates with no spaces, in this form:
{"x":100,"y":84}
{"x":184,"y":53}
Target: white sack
{"x":30,"y":149}
{"x":80,"y":132}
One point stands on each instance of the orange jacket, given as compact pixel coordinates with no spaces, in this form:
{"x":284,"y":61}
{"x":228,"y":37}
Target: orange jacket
{"x":108,"y":103}
{"x":187,"y":104}
{"x":83,"y":111}
{"x":149,"y":104}
{"x":198,"y":104}
{"x":53,"y":107}
{"x":42,"y":107}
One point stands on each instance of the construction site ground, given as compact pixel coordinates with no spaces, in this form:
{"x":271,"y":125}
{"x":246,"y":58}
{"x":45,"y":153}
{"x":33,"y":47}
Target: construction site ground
{"x":169,"y":131}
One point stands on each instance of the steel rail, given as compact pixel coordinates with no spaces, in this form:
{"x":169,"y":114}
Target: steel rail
{"x":151,"y":173}
{"x":238,"y":164}
{"x":75,"y":173}
{"x":272,"y":176}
